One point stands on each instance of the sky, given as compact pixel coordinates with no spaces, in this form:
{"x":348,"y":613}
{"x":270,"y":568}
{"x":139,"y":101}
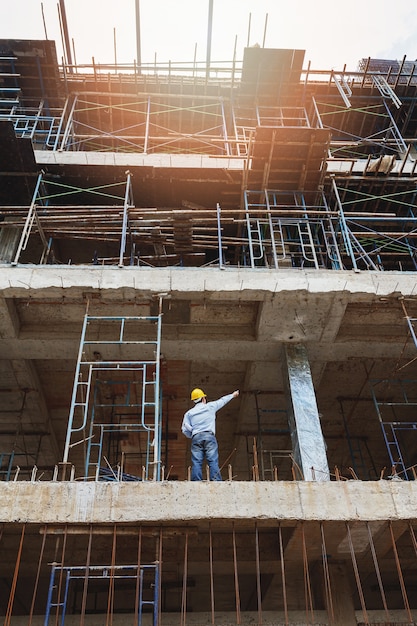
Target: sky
{"x":333,"y":34}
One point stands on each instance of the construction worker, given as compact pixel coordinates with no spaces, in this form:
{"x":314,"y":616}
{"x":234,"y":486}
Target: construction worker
{"x":199,"y":425}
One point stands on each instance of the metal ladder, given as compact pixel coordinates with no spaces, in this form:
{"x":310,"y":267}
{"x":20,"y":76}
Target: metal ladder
{"x":330,"y":243}
{"x":119,"y":335}
{"x":9,"y":96}
{"x":6,"y":464}
{"x":385,"y":90}
{"x":256,"y":249}
{"x":146,"y":575}
{"x":153,"y":584}
{"x":253,"y":229}
{"x":54,"y":593}
{"x":390,"y":428}
{"x":389,"y":431}
{"x":306,"y":242}
{"x":343,"y":88}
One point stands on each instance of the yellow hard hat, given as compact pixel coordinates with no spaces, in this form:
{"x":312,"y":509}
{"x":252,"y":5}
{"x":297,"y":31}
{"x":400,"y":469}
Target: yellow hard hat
{"x":197,"y":394}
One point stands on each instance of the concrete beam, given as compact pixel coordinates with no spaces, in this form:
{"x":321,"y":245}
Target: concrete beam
{"x":247,"y":284}
{"x":181,"y":502}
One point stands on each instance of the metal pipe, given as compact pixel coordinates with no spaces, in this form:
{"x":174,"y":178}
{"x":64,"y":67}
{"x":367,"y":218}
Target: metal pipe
{"x":266,"y":23}
{"x":43,"y":20}
{"x":219,"y":236}
{"x":209,"y":35}
{"x":125,"y":219}
{"x":138,"y":41}
{"x":65,"y":33}
{"x":250,"y":18}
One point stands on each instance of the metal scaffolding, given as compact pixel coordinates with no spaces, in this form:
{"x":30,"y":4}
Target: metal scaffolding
{"x":115,"y":413}
{"x":338,"y":230}
{"x":395,"y":403}
{"x":318,"y":166}
{"x":141,"y":582}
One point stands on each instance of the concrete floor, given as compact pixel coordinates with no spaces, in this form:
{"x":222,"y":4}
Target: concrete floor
{"x":218,"y":335}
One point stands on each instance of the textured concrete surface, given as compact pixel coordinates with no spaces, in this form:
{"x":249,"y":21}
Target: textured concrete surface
{"x":170,"y":502}
{"x":16,"y":281}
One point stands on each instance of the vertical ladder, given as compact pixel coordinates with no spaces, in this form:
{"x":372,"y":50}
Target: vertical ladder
{"x":385,"y":90}
{"x":6,"y":464}
{"x":330,"y":242}
{"x":256,"y":249}
{"x":403,"y":401}
{"x":306,"y":242}
{"x":9,"y":95}
{"x":120,"y":334}
{"x":279,"y":240}
{"x":154,"y":601}
{"x":343,"y":88}
{"x":393,"y":448}
{"x":308,"y":248}
{"x":78,"y":416}
{"x":54,"y":592}
{"x":242,"y":141}
{"x":253,"y":228}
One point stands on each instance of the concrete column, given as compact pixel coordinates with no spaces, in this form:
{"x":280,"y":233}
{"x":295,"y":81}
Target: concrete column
{"x":307,"y":438}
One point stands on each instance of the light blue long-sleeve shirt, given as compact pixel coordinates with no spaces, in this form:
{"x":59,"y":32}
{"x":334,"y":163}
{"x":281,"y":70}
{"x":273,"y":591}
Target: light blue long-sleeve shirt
{"x":202,"y":416}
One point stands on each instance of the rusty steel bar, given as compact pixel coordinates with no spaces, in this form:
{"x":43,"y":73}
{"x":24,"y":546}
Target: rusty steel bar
{"x":258,"y":575}
{"x":35,"y":587}
{"x":15,"y":577}
{"x":61,"y":572}
{"x":237,"y":594}
{"x":184,"y":583}
{"x":255,"y":460}
{"x":378,"y":572}
{"x":413,"y":537}
{"x":357,"y":577}
{"x":211,"y":573}
{"x":400,"y":575}
{"x":284,"y":588}
{"x":307,"y":582}
{"x":159,"y":563}
{"x":110,"y":598}
{"x":137,"y":586}
{"x":85,"y":585}
{"x":326,"y":573}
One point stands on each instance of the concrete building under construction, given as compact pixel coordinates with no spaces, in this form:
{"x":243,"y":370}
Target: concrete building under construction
{"x":250,"y":226}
